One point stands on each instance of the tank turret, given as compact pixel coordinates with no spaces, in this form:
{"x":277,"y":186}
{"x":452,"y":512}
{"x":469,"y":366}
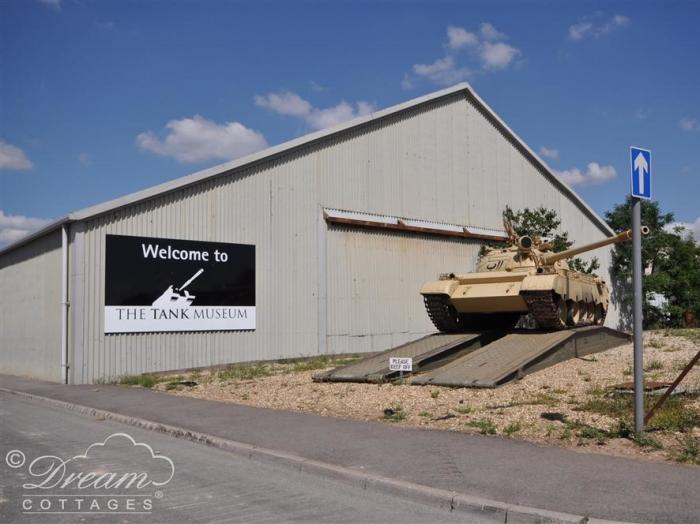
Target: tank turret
{"x":523,"y":278}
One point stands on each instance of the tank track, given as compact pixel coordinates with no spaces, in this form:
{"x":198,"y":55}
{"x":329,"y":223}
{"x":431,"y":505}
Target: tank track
{"x":543,"y":307}
{"x":441,"y":313}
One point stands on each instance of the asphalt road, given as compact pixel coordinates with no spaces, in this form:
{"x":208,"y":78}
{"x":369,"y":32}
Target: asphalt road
{"x":208,"y":485}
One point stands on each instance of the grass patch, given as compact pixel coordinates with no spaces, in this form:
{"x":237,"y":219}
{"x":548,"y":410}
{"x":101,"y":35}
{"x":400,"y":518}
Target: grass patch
{"x":311,"y":364}
{"x":485,"y":426}
{"x":586,"y":432}
{"x":463,"y":410}
{"x":145,"y":381}
{"x":395,"y":413}
{"x":654,"y":365}
{"x":653,"y":343}
{"x":689,"y":451}
{"x":541,"y":399}
{"x":320,"y":362}
{"x":435,"y":393}
{"x":671,"y":349}
{"x":512,"y":428}
{"x":596,"y":390}
{"x":245,"y":372}
{"x":424,"y":414}
{"x":674,"y":415}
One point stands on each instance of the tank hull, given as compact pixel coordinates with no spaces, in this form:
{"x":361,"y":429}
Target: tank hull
{"x":556,"y":300}
{"x":496,"y":292}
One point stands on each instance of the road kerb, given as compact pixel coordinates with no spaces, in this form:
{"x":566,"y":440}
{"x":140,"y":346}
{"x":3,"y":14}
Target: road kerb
{"x":479,"y":509}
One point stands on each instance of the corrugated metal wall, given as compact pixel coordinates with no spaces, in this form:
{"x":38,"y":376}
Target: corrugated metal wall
{"x":446,"y":163}
{"x":272,"y":208}
{"x":30,"y":309}
{"x":442,"y":162}
{"x":373,"y":282}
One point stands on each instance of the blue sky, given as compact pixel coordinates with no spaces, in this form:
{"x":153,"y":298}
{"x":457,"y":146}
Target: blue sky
{"x":102,"y":98}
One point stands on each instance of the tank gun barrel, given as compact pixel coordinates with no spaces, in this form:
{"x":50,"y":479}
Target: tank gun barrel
{"x":551,"y":258}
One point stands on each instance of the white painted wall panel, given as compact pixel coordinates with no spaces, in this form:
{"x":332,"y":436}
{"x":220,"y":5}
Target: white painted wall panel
{"x":30,"y":309}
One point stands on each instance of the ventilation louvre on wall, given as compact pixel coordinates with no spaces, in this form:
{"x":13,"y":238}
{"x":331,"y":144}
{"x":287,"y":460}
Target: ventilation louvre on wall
{"x":412,"y":225}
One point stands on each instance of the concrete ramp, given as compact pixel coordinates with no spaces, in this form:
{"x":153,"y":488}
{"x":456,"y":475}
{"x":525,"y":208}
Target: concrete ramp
{"x":483,"y":360}
{"x":520,"y":353}
{"x":427,"y":352}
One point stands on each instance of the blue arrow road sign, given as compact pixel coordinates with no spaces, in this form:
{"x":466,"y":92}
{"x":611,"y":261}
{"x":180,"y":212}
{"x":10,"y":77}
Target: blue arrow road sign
{"x":640,"y":161}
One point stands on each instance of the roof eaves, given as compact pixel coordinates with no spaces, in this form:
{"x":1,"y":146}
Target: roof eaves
{"x":48,"y":228}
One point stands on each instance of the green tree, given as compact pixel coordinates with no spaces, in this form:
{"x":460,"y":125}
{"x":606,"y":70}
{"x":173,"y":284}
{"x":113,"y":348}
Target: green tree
{"x":543,"y":222}
{"x":671,"y":263}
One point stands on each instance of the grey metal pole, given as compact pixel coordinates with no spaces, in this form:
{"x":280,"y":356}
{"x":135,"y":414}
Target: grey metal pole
{"x":637,"y":290}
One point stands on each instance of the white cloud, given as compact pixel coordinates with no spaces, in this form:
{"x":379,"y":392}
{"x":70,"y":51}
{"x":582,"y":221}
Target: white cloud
{"x":483,"y":50}
{"x":580,"y":30}
{"x":197,"y":139}
{"x":594,"y":174}
{"x":596,"y":26}
{"x":488,"y":32}
{"x":688,"y":227}
{"x":498,"y":55}
{"x":54,"y":4}
{"x":14,"y":227}
{"x":12,"y":157}
{"x":443,"y":71}
{"x":458,"y":37}
{"x":284,"y":103}
{"x":689,"y":124}
{"x":85,"y":159}
{"x":549,"y":153}
{"x":620,"y":21}
{"x":288,"y":103}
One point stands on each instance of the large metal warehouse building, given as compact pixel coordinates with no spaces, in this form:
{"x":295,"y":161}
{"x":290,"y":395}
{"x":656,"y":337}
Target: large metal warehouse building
{"x":330,"y":236}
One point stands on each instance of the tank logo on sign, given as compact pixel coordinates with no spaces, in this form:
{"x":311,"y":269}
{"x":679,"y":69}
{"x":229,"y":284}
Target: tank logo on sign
{"x":157,"y":284}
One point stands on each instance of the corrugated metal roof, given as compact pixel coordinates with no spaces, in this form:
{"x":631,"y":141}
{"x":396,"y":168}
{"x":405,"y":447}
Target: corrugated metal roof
{"x":285,"y":147}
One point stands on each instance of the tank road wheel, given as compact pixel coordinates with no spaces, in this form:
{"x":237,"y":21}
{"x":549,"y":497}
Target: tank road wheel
{"x":590,"y":313}
{"x":549,"y":310}
{"x":573,"y":310}
{"x":563,"y":311}
{"x":599,"y":317}
{"x":581,"y":318}
{"x":444,"y":316}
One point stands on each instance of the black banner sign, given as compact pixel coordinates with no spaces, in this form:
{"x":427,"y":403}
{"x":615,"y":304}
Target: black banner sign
{"x":161,"y":284}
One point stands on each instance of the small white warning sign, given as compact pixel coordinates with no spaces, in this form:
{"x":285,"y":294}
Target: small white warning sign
{"x":400,"y":364}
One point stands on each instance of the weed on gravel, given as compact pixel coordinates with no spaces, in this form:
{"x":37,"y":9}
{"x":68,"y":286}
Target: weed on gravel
{"x":485,"y":426}
{"x":395,"y":413}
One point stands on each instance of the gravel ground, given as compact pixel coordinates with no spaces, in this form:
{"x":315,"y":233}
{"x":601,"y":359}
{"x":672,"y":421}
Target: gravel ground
{"x":514,"y":410}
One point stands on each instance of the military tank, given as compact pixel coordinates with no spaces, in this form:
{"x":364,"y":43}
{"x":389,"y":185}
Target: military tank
{"x":525,"y":277}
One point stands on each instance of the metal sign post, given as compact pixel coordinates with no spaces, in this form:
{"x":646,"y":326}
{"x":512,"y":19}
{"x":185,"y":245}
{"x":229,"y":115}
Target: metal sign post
{"x":640,"y":163}
{"x":638,"y":341}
